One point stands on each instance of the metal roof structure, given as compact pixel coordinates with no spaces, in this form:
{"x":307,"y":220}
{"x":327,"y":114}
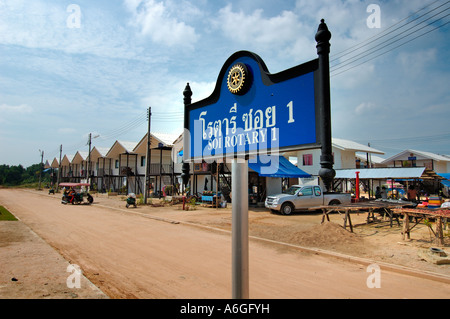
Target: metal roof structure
{"x":420,"y":154}
{"x":388,"y":173}
{"x":353,"y":146}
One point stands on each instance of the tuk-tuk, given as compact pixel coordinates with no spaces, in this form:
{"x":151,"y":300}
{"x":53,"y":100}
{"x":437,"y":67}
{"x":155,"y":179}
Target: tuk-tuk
{"x":75,"y":193}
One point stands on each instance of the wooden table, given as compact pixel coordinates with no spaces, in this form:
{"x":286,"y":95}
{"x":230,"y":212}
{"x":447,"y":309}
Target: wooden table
{"x":371,"y":207}
{"x":439,"y":214}
{"x":211,"y":201}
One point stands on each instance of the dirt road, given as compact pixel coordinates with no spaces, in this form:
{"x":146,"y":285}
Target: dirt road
{"x":129,"y":255}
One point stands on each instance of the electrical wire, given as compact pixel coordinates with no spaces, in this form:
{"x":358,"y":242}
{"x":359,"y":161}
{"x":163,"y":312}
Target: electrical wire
{"x":384,"y":33}
{"x":378,"y":48}
{"x":391,"y":39}
{"x":436,"y":137}
{"x":402,"y":143}
{"x":391,"y":49}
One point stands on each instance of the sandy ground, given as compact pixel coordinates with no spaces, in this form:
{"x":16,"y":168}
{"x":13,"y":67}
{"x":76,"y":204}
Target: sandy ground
{"x":165,"y":252}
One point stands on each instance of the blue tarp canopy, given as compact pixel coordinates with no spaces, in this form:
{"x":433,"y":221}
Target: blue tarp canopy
{"x":275,"y":166}
{"x":444,"y":175}
{"x":446,"y":181}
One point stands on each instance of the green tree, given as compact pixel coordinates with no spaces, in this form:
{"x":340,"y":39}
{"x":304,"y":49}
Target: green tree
{"x":14,"y":175}
{"x":17,"y":175}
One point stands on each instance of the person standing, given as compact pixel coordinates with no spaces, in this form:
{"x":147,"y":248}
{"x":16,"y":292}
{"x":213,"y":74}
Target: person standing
{"x":383,"y":193}
{"x":412,"y":194}
{"x":378,"y":192}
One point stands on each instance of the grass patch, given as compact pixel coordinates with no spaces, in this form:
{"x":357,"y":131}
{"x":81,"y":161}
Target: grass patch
{"x":5,"y":214}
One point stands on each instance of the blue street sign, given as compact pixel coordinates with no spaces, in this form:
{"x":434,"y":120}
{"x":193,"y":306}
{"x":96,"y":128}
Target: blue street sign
{"x":252,"y":111}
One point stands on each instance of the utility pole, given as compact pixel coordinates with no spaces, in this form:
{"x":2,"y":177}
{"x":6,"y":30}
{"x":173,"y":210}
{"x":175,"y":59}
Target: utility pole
{"x":40,"y":168}
{"x":147,"y":158}
{"x":59,"y":168}
{"x":89,"y":161}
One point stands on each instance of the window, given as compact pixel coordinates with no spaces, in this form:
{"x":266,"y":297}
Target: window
{"x":292,"y":190}
{"x":307,"y":159}
{"x":142,"y":161}
{"x":307,"y":191}
{"x":117,"y":164}
{"x":317,"y":191}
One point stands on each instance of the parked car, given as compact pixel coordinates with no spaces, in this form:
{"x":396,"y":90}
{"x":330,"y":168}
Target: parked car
{"x":299,"y":197}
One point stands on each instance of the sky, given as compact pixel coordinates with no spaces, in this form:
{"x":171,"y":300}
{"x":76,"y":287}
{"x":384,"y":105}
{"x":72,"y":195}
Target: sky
{"x":73,"y":68}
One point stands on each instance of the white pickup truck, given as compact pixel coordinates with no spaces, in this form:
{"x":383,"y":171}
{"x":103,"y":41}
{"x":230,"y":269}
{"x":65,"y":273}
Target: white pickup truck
{"x":304,"y":197}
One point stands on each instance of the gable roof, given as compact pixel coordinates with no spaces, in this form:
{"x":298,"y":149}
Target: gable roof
{"x":353,"y":146}
{"x":424,"y":155}
{"x":67,"y":160}
{"x":373,"y":158}
{"x":55,"y":163}
{"x":80,"y":157}
{"x":97,"y":152}
{"x":120,"y":147}
{"x":166,"y":139}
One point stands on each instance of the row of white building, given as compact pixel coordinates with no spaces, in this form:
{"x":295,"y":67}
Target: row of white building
{"x":121,"y":168}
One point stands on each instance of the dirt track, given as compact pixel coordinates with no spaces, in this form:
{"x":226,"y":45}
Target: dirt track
{"x":160,"y":253}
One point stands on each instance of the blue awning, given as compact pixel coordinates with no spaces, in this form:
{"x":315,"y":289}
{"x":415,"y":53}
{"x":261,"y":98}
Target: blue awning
{"x":275,"y":166}
{"x":445,"y":182}
{"x":444,"y":175}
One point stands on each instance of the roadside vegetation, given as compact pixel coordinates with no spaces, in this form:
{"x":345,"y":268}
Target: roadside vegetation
{"x":5,"y":214}
{"x":24,"y":177}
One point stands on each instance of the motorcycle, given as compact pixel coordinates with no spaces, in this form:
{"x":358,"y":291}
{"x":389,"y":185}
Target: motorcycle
{"x":74,"y":197}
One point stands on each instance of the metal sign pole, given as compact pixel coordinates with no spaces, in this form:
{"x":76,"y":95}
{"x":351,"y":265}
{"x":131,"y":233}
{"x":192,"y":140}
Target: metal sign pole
{"x":326,"y":172}
{"x":239,"y":224}
{"x":225,"y":126}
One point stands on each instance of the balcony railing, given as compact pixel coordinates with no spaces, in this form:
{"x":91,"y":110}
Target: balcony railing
{"x":165,"y":169}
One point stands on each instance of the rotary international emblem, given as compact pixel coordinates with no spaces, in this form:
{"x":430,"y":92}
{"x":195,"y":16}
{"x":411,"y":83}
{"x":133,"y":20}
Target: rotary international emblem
{"x":237,"y":78}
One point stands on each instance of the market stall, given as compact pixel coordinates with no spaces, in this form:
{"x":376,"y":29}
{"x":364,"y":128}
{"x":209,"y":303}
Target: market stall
{"x":440,"y":215}
{"x":371,"y":207}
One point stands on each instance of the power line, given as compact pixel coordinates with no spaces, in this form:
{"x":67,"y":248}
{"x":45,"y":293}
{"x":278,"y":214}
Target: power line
{"x":381,"y":34}
{"x":391,"y":39}
{"x":414,"y":139}
{"x":393,"y":143}
{"x":134,"y":123}
{"x":391,"y":49}
{"x":378,"y":48}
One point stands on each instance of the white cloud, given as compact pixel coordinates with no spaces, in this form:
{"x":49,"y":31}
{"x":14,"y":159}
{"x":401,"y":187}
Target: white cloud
{"x":365,"y":107}
{"x":44,"y":25}
{"x":255,"y":28}
{"x":66,"y":130}
{"x":415,"y":63}
{"x":15,"y":109}
{"x":282,"y":33}
{"x":155,"y":20}
{"x":11,"y":114}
